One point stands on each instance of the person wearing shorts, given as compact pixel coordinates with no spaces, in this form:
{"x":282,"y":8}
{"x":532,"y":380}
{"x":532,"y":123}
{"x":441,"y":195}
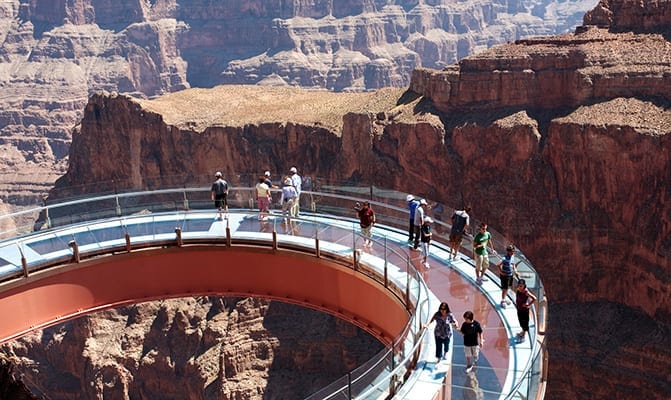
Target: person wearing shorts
{"x":481,"y":241}
{"x":473,"y":339}
{"x":219,"y":194}
{"x":507,"y":268}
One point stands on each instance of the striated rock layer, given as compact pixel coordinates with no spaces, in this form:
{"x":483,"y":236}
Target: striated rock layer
{"x":561,"y":144}
{"x":55,"y":54}
{"x":198,"y":348}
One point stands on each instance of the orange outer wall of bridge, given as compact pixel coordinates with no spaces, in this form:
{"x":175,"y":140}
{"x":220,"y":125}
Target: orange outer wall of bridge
{"x":72,"y":290}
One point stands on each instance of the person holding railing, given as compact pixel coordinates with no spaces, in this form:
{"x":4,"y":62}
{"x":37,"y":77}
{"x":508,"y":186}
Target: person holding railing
{"x":523,"y":301}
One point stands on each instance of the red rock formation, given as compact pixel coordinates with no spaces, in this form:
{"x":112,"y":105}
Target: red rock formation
{"x":573,"y":167}
{"x":199,"y":348}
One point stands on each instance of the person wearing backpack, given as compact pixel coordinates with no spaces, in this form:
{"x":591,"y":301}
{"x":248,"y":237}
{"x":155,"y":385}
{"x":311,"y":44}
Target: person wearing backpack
{"x":219,"y":194}
{"x":460,"y":223}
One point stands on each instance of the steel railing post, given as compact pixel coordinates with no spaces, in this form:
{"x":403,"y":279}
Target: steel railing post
{"x":75,"y":250}
{"x":178,"y":236}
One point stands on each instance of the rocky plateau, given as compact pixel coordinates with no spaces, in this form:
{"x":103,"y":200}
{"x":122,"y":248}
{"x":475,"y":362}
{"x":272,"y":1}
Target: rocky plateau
{"x":561,"y":143}
{"x":55,"y":54}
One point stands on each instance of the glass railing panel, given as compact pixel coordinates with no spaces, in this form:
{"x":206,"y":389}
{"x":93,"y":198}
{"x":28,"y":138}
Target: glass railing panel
{"x":192,"y":193}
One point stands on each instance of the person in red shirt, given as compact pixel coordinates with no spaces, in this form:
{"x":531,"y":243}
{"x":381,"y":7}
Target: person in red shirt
{"x":366,"y":221}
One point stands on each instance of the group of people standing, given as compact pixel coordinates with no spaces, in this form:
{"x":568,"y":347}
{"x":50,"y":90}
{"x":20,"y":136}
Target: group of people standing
{"x":289,"y":199}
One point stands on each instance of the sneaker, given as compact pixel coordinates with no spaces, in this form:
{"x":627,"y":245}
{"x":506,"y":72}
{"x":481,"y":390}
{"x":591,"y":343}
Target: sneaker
{"x":503,"y":304}
{"x":483,"y":279}
{"x":478,"y":281}
{"x":520,"y":339}
{"x":508,"y":302}
{"x":469,"y":368}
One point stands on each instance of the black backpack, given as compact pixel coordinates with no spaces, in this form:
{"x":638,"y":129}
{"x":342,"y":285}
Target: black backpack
{"x":458,"y":223}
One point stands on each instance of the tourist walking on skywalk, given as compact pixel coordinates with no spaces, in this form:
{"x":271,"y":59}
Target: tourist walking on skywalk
{"x":219,"y":194}
{"x":523,"y":301}
{"x":460,"y":223}
{"x":426,"y":233}
{"x":473,"y":339}
{"x":420,"y":212}
{"x":297,"y":182}
{"x":442,"y":331}
{"x":507,"y":269}
{"x":366,"y":221}
{"x":481,"y":242}
{"x":287,"y":199}
{"x":263,"y":198}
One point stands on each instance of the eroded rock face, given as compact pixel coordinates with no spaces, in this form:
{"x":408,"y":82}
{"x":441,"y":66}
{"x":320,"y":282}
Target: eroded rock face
{"x":581,"y":187}
{"x":55,"y":54}
{"x":198,"y":348}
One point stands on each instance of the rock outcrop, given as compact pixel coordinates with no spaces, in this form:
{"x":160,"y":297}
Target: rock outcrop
{"x":581,"y":186}
{"x":55,"y":54}
{"x":199,"y":348}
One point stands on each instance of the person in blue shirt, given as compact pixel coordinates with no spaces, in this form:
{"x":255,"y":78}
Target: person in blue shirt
{"x":507,"y":268}
{"x":412,"y":206}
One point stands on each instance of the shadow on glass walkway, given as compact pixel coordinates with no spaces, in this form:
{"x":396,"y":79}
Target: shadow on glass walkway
{"x":70,"y":250}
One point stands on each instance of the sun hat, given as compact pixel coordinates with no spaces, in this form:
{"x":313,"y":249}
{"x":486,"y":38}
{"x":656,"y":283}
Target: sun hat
{"x":409,"y":197}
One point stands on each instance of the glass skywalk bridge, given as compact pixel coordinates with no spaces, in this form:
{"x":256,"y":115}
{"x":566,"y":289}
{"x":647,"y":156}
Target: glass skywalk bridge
{"x":73,"y":232}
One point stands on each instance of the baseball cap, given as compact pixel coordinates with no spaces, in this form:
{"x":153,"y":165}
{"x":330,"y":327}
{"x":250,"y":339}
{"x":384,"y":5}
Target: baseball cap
{"x":293,"y":170}
{"x":218,"y":174}
{"x":423,"y":202}
{"x":267,"y":173}
{"x":287,"y":181}
{"x":428,"y":220}
{"x":409,"y":197}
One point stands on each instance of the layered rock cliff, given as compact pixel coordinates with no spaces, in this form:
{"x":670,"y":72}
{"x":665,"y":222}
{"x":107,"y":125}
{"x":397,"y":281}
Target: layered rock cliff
{"x":55,"y":54}
{"x":200,"y":348}
{"x":561,"y":144}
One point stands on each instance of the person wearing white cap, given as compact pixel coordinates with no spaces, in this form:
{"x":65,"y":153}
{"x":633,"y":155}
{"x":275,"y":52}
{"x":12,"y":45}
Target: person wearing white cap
{"x":219,"y":194}
{"x":287,"y":199}
{"x":420,"y":212}
{"x":426,"y":240}
{"x":412,"y":206}
{"x":297,"y":182}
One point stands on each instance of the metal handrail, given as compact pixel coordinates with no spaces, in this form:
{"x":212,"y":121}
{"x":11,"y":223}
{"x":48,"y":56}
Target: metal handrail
{"x":388,"y":200}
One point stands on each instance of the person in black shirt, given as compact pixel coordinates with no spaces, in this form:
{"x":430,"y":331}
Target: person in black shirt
{"x":473,"y":339}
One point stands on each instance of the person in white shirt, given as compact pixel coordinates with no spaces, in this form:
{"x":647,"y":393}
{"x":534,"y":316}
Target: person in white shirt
{"x":297,"y":182}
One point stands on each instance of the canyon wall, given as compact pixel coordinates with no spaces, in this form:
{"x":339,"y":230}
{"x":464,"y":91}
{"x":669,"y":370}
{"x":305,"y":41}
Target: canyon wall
{"x":198,"y":348}
{"x":55,"y":54}
{"x":561,"y":144}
